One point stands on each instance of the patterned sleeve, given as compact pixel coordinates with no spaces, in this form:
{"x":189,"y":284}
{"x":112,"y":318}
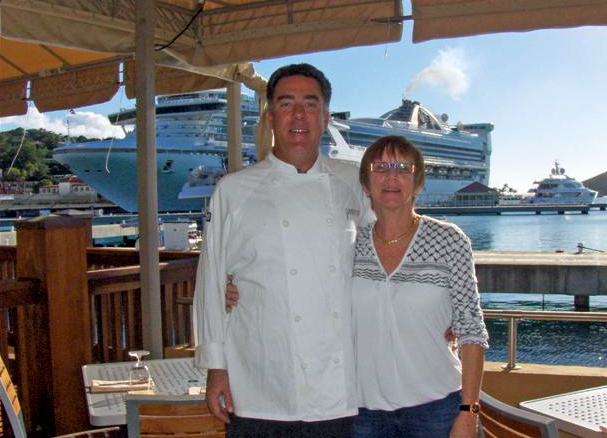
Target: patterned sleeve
{"x":467,"y":324}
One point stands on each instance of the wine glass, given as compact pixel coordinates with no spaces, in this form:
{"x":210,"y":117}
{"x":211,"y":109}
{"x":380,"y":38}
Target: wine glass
{"x":139,"y":372}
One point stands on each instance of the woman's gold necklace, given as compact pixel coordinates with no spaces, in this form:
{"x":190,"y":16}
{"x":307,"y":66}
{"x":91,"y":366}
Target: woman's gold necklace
{"x":399,"y":238}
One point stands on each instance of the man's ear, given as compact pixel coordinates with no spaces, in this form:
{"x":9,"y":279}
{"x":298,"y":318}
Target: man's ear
{"x":365,"y":189}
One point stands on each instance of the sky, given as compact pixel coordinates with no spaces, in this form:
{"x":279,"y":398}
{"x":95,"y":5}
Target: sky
{"x":544,"y":91}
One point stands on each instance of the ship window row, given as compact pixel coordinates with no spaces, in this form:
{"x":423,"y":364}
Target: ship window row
{"x":428,"y":148}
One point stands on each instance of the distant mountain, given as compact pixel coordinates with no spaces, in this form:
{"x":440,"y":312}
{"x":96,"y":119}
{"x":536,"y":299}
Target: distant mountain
{"x":598,"y":183}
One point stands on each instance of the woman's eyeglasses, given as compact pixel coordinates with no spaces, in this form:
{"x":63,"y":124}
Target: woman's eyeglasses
{"x":402,"y":167}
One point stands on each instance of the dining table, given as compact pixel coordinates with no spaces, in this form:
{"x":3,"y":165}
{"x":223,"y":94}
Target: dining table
{"x":107,"y":407}
{"x":581,"y":413}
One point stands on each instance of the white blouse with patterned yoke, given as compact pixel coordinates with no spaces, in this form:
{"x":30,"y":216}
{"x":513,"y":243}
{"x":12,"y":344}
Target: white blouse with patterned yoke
{"x":403,"y":358}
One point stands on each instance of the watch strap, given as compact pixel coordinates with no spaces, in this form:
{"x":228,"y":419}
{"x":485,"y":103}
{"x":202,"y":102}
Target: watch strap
{"x":472,"y":407}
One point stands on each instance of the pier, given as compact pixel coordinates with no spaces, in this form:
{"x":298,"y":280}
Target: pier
{"x":580,"y":275}
{"x":457,"y":210}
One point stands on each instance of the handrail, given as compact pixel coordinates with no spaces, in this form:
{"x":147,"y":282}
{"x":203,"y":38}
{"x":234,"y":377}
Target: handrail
{"x":513,"y":317}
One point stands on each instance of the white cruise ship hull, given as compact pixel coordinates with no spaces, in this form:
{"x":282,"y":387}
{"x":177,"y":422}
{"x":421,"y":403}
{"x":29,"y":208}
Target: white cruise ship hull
{"x":191,"y":151}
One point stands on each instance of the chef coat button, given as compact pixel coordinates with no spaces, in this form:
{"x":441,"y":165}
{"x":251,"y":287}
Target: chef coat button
{"x":336,"y":361}
{"x":293,"y":271}
{"x":285,"y":223}
{"x":329,"y":220}
{"x":335,"y":315}
{"x":297,"y":318}
{"x":331,"y":268}
{"x":304,"y":366}
{"x":274,"y":181}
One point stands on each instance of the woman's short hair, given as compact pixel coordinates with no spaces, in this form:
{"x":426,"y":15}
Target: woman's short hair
{"x":394,"y":145}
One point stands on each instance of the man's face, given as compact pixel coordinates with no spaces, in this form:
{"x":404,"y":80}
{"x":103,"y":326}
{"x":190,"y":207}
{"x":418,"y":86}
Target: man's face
{"x":299,"y":118}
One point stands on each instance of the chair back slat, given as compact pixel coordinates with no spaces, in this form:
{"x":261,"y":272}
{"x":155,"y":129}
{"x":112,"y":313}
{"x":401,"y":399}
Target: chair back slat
{"x":500,"y":420}
{"x":10,"y":401}
{"x":508,"y":427}
{"x":108,"y":432}
{"x":149,"y":424}
{"x":162,"y":416}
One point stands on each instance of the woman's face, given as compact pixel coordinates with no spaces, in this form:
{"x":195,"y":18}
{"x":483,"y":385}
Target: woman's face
{"x":393,"y":187}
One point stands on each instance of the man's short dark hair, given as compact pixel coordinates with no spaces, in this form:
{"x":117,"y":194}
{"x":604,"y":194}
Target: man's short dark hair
{"x":303,"y":69}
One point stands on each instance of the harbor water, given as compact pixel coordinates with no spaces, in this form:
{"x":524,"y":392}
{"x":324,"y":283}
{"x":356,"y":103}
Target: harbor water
{"x":547,"y":342}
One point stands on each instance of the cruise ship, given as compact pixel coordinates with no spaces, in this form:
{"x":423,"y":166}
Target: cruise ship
{"x":191,"y":136}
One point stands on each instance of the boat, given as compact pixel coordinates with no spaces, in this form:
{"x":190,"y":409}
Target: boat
{"x":191,"y":136}
{"x":558,"y":188}
{"x":455,"y":156}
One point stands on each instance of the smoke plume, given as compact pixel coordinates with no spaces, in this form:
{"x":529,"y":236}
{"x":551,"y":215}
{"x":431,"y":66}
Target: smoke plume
{"x":448,"y":71}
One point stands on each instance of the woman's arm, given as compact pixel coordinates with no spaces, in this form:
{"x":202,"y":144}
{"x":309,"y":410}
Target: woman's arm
{"x":472,"y":358}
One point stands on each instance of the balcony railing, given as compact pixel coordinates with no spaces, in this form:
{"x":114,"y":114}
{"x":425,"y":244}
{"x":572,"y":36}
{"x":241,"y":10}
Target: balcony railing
{"x":514,"y":316}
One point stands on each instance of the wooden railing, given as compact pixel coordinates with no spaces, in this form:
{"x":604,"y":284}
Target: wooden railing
{"x":8,"y":255}
{"x":7,"y":314}
{"x":91,"y":299}
{"x":22,"y":316}
{"x":115,"y":296}
{"x":100,"y":258}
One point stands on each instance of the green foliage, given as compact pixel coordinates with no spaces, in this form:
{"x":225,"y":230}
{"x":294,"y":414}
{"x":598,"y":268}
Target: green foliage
{"x":33,"y":162}
{"x":505,"y":189}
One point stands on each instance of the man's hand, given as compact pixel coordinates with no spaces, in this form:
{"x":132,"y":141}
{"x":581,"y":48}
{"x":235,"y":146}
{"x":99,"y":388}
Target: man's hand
{"x":218,"y":388}
{"x":451,"y":339}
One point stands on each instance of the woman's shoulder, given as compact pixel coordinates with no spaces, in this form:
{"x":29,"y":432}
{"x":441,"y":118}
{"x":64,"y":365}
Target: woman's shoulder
{"x":442,"y":227}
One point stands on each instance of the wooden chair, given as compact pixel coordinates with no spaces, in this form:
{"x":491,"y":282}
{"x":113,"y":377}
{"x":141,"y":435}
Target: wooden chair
{"x":10,"y":401}
{"x":107,"y":432}
{"x":499,"y":420}
{"x":158,"y":416}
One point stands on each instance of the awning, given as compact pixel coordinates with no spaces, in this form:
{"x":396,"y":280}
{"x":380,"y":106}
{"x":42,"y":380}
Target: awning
{"x":453,"y":18}
{"x":75,"y":42}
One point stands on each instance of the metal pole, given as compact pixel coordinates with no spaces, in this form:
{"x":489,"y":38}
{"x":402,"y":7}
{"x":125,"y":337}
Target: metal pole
{"x":512,"y":341}
{"x":146,"y":178}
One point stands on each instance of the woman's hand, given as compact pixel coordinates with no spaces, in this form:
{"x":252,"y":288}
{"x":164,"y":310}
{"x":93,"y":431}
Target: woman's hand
{"x":465,"y":426}
{"x":232,"y":295}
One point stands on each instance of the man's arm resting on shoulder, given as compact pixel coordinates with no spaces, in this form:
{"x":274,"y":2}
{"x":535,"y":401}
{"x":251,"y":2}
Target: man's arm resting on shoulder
{"x":219,"y":397}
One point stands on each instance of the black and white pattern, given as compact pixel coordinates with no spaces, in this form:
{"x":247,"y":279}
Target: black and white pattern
{"x":440,"y":254}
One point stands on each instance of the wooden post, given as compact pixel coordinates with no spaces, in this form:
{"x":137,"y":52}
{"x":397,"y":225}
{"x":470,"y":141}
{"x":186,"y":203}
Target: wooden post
{"x":52,"y":249}
{"x":234,"y":127}
{"x":147,"y":179}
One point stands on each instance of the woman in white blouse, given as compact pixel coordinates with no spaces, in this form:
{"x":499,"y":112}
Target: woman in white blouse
{"x":413,"y":278}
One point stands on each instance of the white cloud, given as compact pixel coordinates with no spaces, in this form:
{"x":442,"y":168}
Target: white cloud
{"x":447,"y":71}
{"x":86,"y":123}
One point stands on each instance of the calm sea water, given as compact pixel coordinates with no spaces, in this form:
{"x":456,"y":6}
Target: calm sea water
{"x":550,"y":342}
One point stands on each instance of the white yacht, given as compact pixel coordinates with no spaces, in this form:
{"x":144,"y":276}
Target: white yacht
{"x":191,"y":135}
{"x":558,"y":188}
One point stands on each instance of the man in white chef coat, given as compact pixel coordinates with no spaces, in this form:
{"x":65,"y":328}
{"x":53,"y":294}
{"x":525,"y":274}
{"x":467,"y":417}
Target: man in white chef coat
{"x":282,"y":363}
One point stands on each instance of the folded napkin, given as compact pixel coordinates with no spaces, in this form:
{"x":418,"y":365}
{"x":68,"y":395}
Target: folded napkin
{"x":119,"y":385}
{"x":197,"y":390}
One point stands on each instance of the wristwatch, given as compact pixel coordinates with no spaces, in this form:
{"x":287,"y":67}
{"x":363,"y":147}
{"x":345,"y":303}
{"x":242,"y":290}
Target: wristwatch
{"x":475,"y":408}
